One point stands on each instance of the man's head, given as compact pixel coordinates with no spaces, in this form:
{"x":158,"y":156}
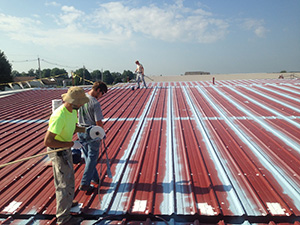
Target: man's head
{"x":99,"y":88}
{"x":137,"y":62}
{"x":76,"y":97}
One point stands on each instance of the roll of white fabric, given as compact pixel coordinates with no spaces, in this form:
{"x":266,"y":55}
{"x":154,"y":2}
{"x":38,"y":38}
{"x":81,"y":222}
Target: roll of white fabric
{"x":97,"y":132}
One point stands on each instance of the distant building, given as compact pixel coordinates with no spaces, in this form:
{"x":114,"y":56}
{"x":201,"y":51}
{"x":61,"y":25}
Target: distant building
{"x":30,"y":82}
{"x":33,"y":82}
{"x":23,"y":82}
{"x":197,"y":73}
{"x":49,"y":82}
{"x":23,"y":79}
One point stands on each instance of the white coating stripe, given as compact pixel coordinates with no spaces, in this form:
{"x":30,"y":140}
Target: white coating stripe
{"x":293,"y":85}
{"x":283,"y":179}
{"x":277,"y":133}
{"x":77,"y":208}
{"x":272,"y":99}
{"x":167,"y":206}
{"x":24,"y":121}
{"x":220,"y":164}
{"x":181,"y":204}
{"x":121,"y":197}
{"x":286,"y":89}
{"x":278,"y":93}
{"x":263,"y":106}
{"x":276,"y":209}
{"x":175,"y":118}
{"x":206,"y":209}
{"x":139,"y":206}
{"x":12,"y":207}
{"x":286,"y":139}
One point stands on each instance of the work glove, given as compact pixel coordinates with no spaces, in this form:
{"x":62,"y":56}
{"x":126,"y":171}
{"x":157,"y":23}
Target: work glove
{"x":88,"y":130}
{"x":77,"y":145}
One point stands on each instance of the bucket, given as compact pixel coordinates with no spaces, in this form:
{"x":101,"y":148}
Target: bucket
{"x":56,"y":103}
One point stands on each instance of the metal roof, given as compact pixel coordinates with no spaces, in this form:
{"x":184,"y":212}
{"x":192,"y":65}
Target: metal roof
{"x":180,"y":153}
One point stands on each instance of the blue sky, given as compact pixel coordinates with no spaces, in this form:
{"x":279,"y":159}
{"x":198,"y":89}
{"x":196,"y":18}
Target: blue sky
{"x":168,"y":37}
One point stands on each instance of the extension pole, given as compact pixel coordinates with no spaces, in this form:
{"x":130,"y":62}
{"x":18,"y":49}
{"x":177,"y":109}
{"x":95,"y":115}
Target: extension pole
{"x":107,"y":161}
{"x":149,"y":78}
{"x":46,"y":153}
{"x":34,"y":156}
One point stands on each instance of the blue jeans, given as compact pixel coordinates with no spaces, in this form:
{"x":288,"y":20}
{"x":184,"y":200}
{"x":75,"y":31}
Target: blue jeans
{"x":139,"y":78}
{"x":90,"y":154}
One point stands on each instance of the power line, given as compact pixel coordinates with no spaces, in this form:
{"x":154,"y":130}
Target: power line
{"x":51,"y":63}
{"x":46,"y":61}
{"x":56,"y":64}
{"x":27,"y":60}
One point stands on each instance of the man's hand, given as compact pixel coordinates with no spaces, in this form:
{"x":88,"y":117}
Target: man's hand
{"x":88,"y":130}
{"x":79,"y":129}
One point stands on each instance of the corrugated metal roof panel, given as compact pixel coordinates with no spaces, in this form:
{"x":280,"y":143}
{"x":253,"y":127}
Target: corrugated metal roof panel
{"x":180,"y":152}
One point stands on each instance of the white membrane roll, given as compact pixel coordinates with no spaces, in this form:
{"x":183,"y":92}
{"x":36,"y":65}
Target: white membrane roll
{"x":97,"y":132}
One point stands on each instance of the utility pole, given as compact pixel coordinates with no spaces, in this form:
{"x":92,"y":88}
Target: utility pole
{"x":83,"y":75}
{"x":72,"y":77}
{"x":39,"y":68}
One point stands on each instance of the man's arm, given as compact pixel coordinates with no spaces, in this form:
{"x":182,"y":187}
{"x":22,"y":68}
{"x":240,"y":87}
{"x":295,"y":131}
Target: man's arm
{"x":79,"y":129}
{"x":99,"y":123}
{"x":50,"y":141}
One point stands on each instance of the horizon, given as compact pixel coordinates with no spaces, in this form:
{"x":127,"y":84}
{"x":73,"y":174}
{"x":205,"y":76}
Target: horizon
{"x":168,"y":37}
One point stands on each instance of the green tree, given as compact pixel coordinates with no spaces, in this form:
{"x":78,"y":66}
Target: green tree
{"x":15,"y":73}
{"x":117,"y":77}
{"x":96,"y":75}
{"x":107,"y":77}
{"x":5,"y":71}
{"x":127,"y":75}
{"x":23,"y":74}
{"x":82,"y":76}
{"x":46,"y":73}
{"x":56,"y":71}
{"x":32,"y":73}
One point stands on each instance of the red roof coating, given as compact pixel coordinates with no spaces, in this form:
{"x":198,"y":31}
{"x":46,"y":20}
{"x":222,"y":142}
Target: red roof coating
{"x":180,"y":152}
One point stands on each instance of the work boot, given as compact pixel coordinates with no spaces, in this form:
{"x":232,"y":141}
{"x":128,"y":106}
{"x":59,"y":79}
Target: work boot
{"x":95,"y":182}
{"x":87,"y":188}
{"x":74,"y":203}
{"x":73,"y":221}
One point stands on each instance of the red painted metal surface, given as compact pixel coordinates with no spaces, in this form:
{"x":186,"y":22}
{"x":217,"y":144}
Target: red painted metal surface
{"x":180,"y":152}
